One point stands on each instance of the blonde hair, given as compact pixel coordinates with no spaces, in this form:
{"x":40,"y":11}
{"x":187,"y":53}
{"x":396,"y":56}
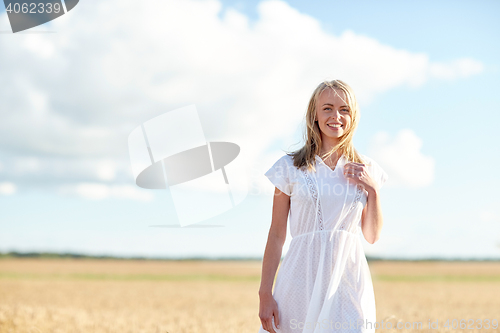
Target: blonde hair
{"x":305,"y":157}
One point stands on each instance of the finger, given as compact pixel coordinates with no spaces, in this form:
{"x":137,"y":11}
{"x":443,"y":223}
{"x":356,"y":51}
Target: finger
{"x":349,"y":171}
{"x":269,"y":326}
{"x":351,"y":174}
{"x":276,"y":319}
{"x":264,"y":326}
{"x":352,"y":167}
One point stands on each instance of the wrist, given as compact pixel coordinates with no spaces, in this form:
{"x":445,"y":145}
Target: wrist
{"x":265,"y":293}
{"x":372,"y":191}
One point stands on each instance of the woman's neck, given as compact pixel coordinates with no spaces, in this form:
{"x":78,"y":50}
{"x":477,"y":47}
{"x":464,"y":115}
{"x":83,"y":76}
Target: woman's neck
{"x":336,"y":154}
{"x":332,"y":160}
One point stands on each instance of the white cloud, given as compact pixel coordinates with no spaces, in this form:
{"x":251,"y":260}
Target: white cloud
{"x":26,"y":165}
{"x":41,"y":47}
{"x":76,"y":94}
{"x":61,"y":168}
{"x":7,"y":188}
{"x":97,"y":191}
{"x":489,"y":216}
{"x":106,"y":169}
{"x":402,"y":159}
{"x":456,"y":69}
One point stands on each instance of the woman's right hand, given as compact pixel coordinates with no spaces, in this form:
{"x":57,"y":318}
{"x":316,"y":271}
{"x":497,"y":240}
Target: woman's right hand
{"x":267,"y":310}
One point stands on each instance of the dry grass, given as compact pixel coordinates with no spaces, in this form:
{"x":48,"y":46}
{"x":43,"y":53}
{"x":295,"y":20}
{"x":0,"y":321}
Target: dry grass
{"x":418,"y":291}
{"x":64,"y":295}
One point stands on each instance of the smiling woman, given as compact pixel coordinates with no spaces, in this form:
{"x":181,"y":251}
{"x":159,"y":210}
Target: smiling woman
{"x":334,"y":114}
{"x":330,"y":194}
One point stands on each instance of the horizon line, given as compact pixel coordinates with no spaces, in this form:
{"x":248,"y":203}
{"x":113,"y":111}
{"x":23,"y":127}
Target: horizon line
{"x":76,"y":255}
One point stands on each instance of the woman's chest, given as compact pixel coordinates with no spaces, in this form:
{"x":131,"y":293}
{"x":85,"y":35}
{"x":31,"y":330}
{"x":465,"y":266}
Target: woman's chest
{"x":332,"y":188}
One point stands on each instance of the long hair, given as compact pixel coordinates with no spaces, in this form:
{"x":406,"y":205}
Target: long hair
{"x":305,"y":156}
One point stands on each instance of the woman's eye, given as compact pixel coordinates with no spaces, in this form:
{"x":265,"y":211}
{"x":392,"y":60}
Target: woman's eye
{"x":345,"y":110}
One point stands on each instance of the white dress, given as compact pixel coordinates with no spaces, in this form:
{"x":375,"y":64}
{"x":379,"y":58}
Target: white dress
{"x":324,"y":282}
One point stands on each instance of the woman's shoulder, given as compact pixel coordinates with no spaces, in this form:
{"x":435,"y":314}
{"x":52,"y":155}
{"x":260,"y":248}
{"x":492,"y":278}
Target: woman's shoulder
{"x":288,"y":158}
{"x":285,"y":159}
{"x":283,"y":162}
{"x":365,"y":158}
{"x":369,"y":160}
{"x":287,"y":162}
{"x":375,"y":168}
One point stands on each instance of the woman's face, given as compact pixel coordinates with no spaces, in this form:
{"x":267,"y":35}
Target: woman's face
{"x":333,"y":113}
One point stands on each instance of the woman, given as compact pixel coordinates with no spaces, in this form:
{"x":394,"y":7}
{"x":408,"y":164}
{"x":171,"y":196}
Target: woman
{"x":331,"y":194}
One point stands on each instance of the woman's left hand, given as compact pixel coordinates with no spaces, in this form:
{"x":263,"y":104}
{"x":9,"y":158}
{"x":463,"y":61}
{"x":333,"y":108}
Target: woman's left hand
{"x":358,"y":173}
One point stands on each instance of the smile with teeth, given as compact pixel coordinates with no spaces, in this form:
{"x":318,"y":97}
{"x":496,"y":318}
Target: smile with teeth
{"x":334,"y":125}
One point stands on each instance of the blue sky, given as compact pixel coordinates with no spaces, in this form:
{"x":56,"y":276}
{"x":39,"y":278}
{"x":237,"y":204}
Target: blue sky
{"x":426,"y":75}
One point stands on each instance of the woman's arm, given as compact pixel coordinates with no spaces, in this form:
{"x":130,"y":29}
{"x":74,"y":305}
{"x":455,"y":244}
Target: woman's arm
{"x":271,"y":260}
{"x":371,"y":218}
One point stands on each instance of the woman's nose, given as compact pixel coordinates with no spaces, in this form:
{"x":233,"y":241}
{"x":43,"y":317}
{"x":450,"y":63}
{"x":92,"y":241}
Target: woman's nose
{"x":336,"y":115}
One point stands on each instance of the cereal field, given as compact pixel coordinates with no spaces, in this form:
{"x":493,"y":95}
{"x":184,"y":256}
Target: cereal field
{"x":88,"y":295}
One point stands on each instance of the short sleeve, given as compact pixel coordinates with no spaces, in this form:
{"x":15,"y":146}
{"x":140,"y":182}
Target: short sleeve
{"x":380,"y":175}
{"x":382,"y":178}
{"x":377,"y":172}
{"x":279,"y":175}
